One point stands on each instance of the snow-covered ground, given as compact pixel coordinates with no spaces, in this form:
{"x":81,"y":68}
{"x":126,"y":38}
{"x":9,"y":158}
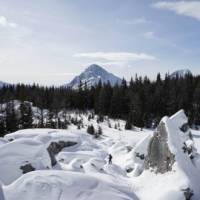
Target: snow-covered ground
{"x":82,"y":171}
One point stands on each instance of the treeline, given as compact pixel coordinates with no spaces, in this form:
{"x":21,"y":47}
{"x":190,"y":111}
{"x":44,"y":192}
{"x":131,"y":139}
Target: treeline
{"x":141,"y":102}
{"x":12,"y":119}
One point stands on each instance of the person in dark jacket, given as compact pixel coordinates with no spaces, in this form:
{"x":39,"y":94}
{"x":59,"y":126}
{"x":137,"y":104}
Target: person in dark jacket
{"x":110,"y":159}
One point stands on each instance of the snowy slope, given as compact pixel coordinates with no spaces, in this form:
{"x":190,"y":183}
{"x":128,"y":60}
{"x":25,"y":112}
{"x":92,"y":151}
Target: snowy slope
{"x":92,"y":75}
{"x":94,"y":180}
{"x":62,"y":185}
{"x":82,"y":170}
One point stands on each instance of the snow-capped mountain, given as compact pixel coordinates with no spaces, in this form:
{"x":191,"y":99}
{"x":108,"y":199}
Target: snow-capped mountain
{"x":92,"y":75}
{"x":180,"y":73}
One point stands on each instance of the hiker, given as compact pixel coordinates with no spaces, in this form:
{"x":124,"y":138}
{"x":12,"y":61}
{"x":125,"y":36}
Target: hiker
{"x":110,"y":159}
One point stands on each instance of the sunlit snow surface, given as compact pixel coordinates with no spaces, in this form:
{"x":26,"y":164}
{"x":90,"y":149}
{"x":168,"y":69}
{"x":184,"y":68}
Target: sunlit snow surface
{"x":82,"y":171}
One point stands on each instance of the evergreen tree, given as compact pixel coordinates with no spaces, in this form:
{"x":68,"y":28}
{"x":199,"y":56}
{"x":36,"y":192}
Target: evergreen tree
{"x":147,"y":101}
{"x":196,"y":104}
{"x":2,"y":127}
{"x":26,"y":116}
{"x":11,"y":118}
{"x":91,"y":130}
{"x":128,"y":125}
{"x":50,"y":120}
{"x":99,"y":132}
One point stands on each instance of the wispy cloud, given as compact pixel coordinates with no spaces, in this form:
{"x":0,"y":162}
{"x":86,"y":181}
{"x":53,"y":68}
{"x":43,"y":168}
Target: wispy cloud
{"x":149,"y":35}
{"x":187,"y":8}
{"x":136,"y":21}
{"x":62,"y":74}
{"x":116,"y":56}
{"x":5,"y":23}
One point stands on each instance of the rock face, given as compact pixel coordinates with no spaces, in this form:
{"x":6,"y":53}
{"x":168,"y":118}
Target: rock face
{"x":27,"y":168}
{"x":55,"y":147}
{"x":159,"y":156}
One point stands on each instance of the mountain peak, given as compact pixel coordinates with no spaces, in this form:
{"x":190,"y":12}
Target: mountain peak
{"x":181,"y":73}
{"x":92,"y":75}
{"x":94,"y":67}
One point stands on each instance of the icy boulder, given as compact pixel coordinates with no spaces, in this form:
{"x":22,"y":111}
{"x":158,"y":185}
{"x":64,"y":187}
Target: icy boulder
{"x":171,"y":142}
{"x":53,"y":140}
{"x":172,"y":150}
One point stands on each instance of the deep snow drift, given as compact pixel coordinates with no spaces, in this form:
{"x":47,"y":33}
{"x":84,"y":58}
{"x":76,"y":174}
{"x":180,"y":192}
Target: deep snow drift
{"x":50,"y":164}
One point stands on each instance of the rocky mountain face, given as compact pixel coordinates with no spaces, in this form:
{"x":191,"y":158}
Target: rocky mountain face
{"x":92,"y":75}
{"x":181,"y":73}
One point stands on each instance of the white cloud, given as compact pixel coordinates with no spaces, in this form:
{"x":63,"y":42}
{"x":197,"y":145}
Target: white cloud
{"x":62,"y":74}
{"x":108,"y":64}
{"x":187,"y":8}
{"x":116,"y":56}
{"x":5,"y":23}
{"x":136,"y":21}
{"x":149,"y":35}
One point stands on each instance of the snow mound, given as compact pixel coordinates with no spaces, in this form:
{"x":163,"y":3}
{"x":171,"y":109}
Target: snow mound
{"x":59,"y":185}
{"x":16,"y":154}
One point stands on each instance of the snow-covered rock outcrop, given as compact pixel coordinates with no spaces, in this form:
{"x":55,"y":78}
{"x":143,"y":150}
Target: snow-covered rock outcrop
{"x":29,"y":150}
{"x":17,"y":155}
{"x":171,"y":155}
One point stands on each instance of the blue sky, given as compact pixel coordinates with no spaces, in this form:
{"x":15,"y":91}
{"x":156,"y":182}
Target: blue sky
{"x":51,"y":41}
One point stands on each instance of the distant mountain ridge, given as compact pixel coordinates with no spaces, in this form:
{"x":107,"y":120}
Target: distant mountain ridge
{"x":92,"y":75}
{"x":3,"y":84}
{"x":180,"y":73}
